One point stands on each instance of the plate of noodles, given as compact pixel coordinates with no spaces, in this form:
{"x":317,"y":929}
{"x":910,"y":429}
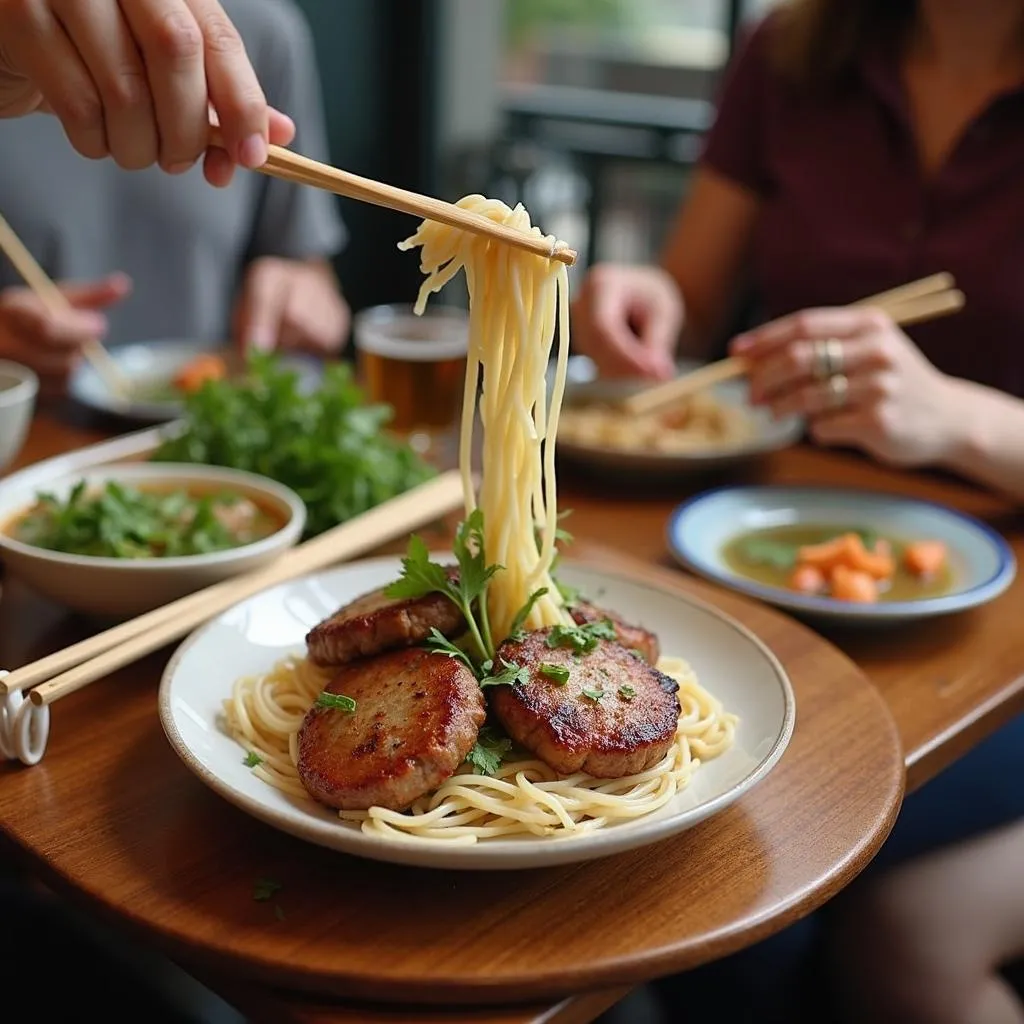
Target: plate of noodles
{"x":712,"y":429}
{"x":236,"y":696}
{"x":482,"y":708}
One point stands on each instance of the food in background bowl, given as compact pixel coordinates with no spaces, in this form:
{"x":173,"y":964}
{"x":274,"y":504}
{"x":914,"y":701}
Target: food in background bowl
{"x":187,"y":380}
{"x":118,"y":520}
{"x":18,"y":389}
{"x":122,"y":539}
{"x":700,"y":422}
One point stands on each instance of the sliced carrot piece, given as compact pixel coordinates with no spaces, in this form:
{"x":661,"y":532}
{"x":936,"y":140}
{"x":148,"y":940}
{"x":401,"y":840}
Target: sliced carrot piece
{"x":880,"y":567}
{"x":924,"y":557}
{"x":807,"y":579}
{"x":853,"y":585}
{"x":829,"y":552}
{"x":192,"y":376}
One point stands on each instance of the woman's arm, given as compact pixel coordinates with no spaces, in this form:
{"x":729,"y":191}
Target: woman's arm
{"x":990,"y":449}
{"x":706,"y":254}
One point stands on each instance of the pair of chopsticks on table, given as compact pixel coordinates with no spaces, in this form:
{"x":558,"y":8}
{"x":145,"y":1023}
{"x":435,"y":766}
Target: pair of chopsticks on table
{"x":283,"y":163}
{"x":926,"y":299}
{"x":62,"y":673}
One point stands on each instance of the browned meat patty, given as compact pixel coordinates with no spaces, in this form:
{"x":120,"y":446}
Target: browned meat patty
{"x":417,"y":716}
{"x":374,"y":623}
{"x":636,"y":638}
{"x":627,"y":730}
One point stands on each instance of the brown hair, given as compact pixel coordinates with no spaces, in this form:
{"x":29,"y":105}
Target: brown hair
{"x":819,"y":42}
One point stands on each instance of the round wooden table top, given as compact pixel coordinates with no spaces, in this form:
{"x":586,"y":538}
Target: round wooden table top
{"x":186,"y":868}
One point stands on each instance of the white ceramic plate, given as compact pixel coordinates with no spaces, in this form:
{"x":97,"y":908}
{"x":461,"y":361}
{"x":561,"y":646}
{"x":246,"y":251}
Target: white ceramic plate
{"x":584,"y":386}
{"x":728,"y":660}
{"x":982,"y":562}
{"x":149,"y":364}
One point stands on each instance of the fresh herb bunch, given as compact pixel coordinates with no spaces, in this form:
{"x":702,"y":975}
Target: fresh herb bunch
{"x":328,"y":445}
{"x":122,"y":522}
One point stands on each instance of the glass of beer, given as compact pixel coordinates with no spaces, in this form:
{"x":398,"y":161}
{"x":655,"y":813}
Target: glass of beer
{"x":417,"y":365}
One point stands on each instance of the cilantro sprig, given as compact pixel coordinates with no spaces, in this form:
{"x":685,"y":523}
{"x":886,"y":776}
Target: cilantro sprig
{"x":489,"y":751}
{"x":582,"y":639}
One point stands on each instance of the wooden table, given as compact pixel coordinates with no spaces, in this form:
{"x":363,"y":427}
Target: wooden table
{"x":948,"y":684}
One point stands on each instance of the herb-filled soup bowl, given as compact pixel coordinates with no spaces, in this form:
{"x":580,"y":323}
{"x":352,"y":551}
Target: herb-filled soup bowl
{"x":119,"y":540}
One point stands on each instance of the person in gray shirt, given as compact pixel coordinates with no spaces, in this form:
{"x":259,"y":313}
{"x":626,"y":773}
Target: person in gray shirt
{"x":156,"y":256}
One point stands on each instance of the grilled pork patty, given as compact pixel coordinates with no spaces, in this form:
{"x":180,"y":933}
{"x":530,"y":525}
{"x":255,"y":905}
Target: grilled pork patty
{"x":614,"y":715}
{"x":374,"y":622}
{"x":417,"y":716}
{"x":635,"y":638}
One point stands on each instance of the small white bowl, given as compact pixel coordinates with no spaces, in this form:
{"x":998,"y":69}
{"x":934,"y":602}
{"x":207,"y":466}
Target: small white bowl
{"x":18,"y":389}
{"x":120,"y":588}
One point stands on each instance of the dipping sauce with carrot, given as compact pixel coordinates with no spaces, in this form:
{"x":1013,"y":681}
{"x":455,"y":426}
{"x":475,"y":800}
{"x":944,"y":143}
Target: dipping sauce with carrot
{"x":845,"y":563}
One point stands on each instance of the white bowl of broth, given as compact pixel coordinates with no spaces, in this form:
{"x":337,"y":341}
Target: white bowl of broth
{"x":755,"y":540}
{"x":18,"y":389}
{"x":120,"y":540}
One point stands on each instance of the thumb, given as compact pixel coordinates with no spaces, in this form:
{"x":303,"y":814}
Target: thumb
{"x":97,"y":294}
{"x":260,"y":309}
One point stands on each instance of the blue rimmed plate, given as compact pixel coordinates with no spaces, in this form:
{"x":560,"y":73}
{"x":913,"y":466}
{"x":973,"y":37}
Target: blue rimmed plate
{"x":981,"y":563}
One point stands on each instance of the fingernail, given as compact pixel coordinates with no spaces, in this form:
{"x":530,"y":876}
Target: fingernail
{"x":253,"y":152}
{"x":741,"y":343}
{"x":181,"y":168}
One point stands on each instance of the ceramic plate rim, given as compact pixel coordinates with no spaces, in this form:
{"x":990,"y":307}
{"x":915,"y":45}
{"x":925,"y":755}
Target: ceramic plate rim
{"x":484,"y":856}
{"x":961,"y":600}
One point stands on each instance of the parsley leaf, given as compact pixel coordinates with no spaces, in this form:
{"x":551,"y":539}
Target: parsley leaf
{"x":558,"y":674}
{"x":594,"y":695}
{"x":420,"y":576}
{"x":252,"y":759}
{"x":489,"y":751}
{"x":515,"y":633}
{"x":264,"y":889}
{"x":582,"y":639}
{"x":336,"y":701}
{"x":627,"y":692}
{"x":438,"y":643}
{"x":511,"y":674}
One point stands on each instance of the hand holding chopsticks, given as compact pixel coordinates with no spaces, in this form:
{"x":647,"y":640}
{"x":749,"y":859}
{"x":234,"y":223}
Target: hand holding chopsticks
{"x":926,"y":299}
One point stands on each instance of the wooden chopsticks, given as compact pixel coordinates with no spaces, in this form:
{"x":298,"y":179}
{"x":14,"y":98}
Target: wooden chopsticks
{"x":73,"y":668}
{"x":56,"y":301}
{"x":283,"y":163}
{"x":912,"y":303}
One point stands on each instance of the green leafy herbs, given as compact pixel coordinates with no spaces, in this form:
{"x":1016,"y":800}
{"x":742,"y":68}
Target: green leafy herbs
{"x":252,"y":759}
{"x":489,"y":751}
{"x":440,"y":644}
{"x":558,"y":674}
{"x":467,"y":588}
{"x":265,"y":890}
{"x":627,"y":692}
{"x":335,"y":701}
{"x":511,"y":674}
{"x":581,"y":639}
{"x":516,"y":632}
{"x":594,"y":695}
{"x":325,"y":443}
{"x":120,"y":521}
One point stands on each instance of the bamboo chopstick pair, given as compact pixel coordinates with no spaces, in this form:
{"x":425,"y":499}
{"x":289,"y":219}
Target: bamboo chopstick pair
{"x":926,"y":299}
{"x":75,"y":667}
{"x":56,"y":301}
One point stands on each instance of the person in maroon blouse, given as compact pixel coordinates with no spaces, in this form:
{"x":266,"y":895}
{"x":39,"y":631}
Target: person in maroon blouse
{"x":858,"y":146}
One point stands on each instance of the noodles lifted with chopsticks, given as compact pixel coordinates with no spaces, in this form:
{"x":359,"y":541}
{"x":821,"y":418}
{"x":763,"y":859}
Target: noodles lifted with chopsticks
{"x":518,"y":304}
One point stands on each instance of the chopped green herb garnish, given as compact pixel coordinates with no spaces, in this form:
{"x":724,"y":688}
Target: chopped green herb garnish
{"x":582,"y":639}
{"x":264,"y":889}
{"x":511,"y":674}
{"x":558,"y":674}
{"x":627,"y":692}
{"x":594,"y":695}
{"x":489,"y":751}
{"x":336,"y":701}
{"x":252,"y":759}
